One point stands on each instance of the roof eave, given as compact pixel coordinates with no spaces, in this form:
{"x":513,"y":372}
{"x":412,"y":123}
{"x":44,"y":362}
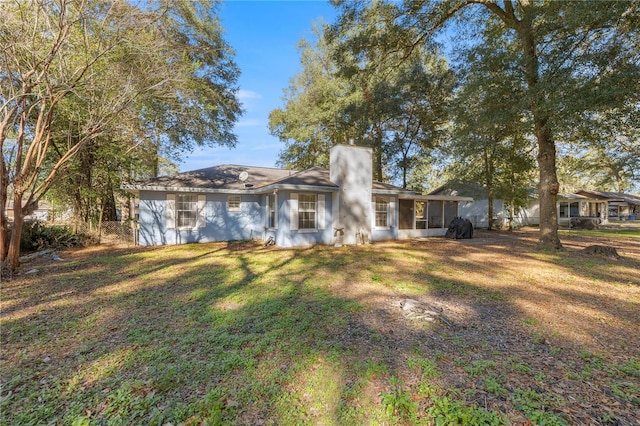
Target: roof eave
{"x":134,"y":188}
{"x":289,"y":187}
{"x":434,"y":197}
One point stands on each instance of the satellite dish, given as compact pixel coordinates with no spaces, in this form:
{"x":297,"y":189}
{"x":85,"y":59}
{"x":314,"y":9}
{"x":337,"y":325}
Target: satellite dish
{"x":243,"y":176}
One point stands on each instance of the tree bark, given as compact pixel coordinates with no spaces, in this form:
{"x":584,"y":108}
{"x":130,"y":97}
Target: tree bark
{"x":12,"y":261}
{"x":548,"y":187}
{"x":4,"y":225}
{"x":489,"y":183}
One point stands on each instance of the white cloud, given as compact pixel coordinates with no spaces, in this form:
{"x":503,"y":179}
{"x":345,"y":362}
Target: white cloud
{"x":248,"y":94}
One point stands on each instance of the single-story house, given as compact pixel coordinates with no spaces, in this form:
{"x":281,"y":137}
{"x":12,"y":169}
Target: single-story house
{"x":619,"y":205}
{"x":291,"y":208}
{"x":575,"y":207}
{"x":598,"y":206}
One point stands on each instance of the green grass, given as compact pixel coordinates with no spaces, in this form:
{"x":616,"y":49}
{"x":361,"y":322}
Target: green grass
{"x":603,"y":232}
{"x":237,"y":334}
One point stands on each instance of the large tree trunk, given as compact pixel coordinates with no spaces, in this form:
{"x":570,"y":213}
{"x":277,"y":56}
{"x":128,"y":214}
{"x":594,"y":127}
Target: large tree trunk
{"x":548,"y":187}
{"x":12,"y":261}
{"x":4,"y":225}
{"x":488,"y":181}
{"x":109,"y":212}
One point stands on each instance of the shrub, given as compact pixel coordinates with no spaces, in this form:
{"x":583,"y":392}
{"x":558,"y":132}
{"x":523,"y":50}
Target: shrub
{"x":37,"y":235}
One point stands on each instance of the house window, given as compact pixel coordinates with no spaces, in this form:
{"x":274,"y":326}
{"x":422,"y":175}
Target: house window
{"x":306,"y":211}
{"x":186,"y":210}
{"x":271,"y":211}
{"x":564,"y":210}
{"x":382,"y":212}
{"x":574,"y":209}
{"x":234,"y":203}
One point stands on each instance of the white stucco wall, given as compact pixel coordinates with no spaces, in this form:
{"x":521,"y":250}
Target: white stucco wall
{"x":351,"y":169}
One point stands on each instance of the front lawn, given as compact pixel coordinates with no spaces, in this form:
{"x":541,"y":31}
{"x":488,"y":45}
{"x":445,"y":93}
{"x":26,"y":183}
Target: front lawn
{"x":241,"y":334}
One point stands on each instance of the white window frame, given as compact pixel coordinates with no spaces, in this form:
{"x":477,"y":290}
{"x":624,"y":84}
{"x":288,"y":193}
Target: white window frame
{"x":307,"y":207}
{"x":272,"y":211}
{"x":294,"y":212}
{"x":174,"y":207}
{"x":234,"y":203}
{"x":421,"y":219}
{"x":381,"y":205}
{"x":186,"y":211}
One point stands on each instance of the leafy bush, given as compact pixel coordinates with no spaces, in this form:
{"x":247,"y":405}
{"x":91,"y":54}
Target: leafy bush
{"x":37,"y":235}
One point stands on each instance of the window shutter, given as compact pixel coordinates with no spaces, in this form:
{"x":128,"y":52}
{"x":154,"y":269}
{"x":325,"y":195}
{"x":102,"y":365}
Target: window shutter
{"x":275,"y":213}
{"x":170,"y":211}
{"x":321,"y":212}
{"x":202,"y":202}
{"x":265,"y":203}
{"x":293,"y":212}
{"x":392,"y":212}
{"x":372,"y":208}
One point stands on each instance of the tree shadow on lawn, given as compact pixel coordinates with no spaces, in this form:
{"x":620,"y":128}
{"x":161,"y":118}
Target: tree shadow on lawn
{"x":275,"y":336}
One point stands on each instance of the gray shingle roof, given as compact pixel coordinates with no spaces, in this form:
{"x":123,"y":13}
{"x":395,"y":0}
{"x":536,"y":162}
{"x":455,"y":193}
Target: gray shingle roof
{"x":227,"y":177}
{"x":315,"y":176}
{"x":629,"y":198}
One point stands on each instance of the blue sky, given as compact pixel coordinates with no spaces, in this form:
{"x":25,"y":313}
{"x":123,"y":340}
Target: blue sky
{"x":265,"y":36}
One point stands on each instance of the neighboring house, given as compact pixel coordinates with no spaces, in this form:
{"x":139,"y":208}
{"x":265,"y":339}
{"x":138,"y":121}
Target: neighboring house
{"x":573,"y":206}
{"x":314,"y":206}
{"x":583,"y":204}
{"x":42,"y":212}
{"x":619,"y":205}
{"x":477,"y":209}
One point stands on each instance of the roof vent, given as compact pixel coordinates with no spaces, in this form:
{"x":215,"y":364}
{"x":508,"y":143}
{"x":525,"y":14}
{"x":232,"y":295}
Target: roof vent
{"x":243,"y":176}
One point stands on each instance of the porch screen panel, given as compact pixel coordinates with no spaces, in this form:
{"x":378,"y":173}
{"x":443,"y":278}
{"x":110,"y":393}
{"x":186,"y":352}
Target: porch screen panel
{"x":434,"y":214}
{"x":405,"y":214}
{"x":421,"y":215}
{"x":450,"y":211}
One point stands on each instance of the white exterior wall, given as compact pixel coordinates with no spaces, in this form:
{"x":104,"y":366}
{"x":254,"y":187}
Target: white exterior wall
{"x":529,"y":215}
{"x":351,"y":169}
{"x":477,"y":211}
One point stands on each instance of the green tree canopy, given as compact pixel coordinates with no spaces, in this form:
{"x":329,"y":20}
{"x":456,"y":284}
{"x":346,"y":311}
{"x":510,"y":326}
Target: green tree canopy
{"x":399,"y":114}
{"x":86,"y":77}
{"x":571,"y":58}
